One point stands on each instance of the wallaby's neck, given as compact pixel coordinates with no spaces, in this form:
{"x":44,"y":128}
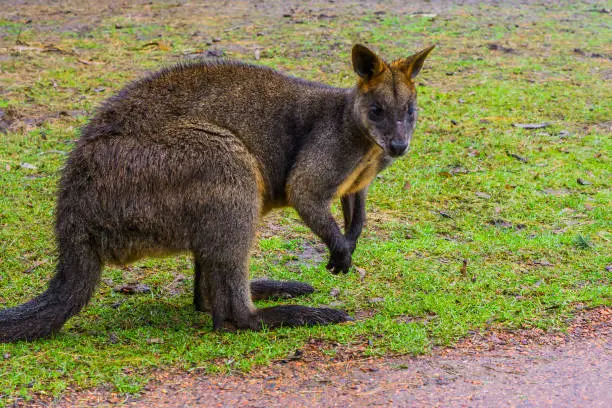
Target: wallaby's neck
{"x":352,"y":129}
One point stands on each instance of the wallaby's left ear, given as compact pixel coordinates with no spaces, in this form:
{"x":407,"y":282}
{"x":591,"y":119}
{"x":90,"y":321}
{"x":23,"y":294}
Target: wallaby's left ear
{"x":412,"y":65}
{"x":365,"y":63}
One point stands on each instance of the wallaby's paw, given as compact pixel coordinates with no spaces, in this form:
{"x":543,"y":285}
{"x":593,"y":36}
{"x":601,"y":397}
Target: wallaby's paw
{"x":293,"y":315}
{"x":353,"y":246}
{"x":339,"y":261}
{"x":266,"y":289}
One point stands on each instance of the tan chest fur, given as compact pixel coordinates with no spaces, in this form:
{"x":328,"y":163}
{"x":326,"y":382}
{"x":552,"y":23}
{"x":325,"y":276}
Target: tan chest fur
{"x":363,"y":174}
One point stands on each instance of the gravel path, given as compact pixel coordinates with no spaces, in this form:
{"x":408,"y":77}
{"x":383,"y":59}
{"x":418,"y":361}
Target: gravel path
{"x":526,"y":368}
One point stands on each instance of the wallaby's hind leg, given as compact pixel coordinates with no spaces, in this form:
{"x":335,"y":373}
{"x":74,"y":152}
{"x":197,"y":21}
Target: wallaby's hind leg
{"x":222,"y":276}
{"x":201,"y":293}
{"x":230,"y":300}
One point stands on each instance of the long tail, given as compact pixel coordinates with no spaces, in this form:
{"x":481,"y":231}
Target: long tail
{"x":77,"y":274}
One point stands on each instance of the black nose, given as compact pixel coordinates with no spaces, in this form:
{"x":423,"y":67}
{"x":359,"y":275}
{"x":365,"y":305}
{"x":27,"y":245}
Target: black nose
{"x":398,"y":147}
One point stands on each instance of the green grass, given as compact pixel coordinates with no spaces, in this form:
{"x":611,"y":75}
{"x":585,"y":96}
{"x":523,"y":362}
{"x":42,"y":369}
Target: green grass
{"x":537,"y":242}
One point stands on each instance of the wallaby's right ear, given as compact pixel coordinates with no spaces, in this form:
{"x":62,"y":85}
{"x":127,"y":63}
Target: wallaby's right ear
{"x":365,"y":63}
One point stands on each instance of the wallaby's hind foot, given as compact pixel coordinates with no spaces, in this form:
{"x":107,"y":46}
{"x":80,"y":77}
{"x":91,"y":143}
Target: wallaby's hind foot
{"x":294,"y":315}
{"x":270,"y":289}
{"x":287,"y":316}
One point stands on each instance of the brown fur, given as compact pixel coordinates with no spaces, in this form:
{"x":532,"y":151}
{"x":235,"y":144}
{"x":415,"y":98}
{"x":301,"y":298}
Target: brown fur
{"x":189,"y":158}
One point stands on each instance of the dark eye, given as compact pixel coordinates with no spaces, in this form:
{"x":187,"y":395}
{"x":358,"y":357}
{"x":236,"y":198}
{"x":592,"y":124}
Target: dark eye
{"x":376,"y":113}
{"x":410,"y":110}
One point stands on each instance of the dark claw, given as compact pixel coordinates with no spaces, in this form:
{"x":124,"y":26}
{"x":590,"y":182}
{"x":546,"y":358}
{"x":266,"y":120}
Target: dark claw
{"x":335,"y":266}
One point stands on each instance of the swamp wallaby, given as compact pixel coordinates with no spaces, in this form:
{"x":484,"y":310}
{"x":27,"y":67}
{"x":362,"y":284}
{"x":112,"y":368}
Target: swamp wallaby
{"x":190,"y":158}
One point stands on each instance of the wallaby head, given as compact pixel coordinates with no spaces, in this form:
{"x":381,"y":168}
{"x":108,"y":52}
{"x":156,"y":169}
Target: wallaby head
{"x":385,"y":104}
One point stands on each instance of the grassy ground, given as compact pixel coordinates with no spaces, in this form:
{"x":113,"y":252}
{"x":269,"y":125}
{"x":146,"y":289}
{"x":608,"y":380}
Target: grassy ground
{"x":482,"y":224}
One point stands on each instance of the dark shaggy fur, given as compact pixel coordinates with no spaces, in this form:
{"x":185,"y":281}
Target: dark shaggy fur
{"x":190,"y":158}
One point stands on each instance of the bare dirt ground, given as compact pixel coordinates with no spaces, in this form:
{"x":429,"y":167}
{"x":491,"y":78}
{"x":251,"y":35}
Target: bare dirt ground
{"x":527,"y":368}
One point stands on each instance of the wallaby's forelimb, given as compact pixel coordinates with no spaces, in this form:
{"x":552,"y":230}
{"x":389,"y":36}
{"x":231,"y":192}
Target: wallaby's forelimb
{"x":311,"y":195}
{"x":353,"y":209}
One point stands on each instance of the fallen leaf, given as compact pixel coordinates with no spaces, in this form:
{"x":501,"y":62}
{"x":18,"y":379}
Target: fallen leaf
{"x":498,"y":222}
{"x":320,"y":379}
{"x":53,"y":48}
{"x":517,"y":157}
{"x":564,"y":134}
{"x":156,"y":44}
{"x":73,"y":113}
{"x":361,"y":272}
{"x":542,"y":262}
{"x":155,"y":340}
{"x":556,"y":192}
{"x":531,"y":125}
{"x":36,"y":265}
{"x":498,"y":47}
{"x":463,"y":269}
{"x":445,"y":214}
{"x":583,"y":182}
{"x":133,"y":288}
{"x":482,"y":195}
{"x":297,"y":355}
{"x":334,"y":292}
{"x":214,"y":53}
{"x":27,"y":166}
{"x":459,"y":170}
